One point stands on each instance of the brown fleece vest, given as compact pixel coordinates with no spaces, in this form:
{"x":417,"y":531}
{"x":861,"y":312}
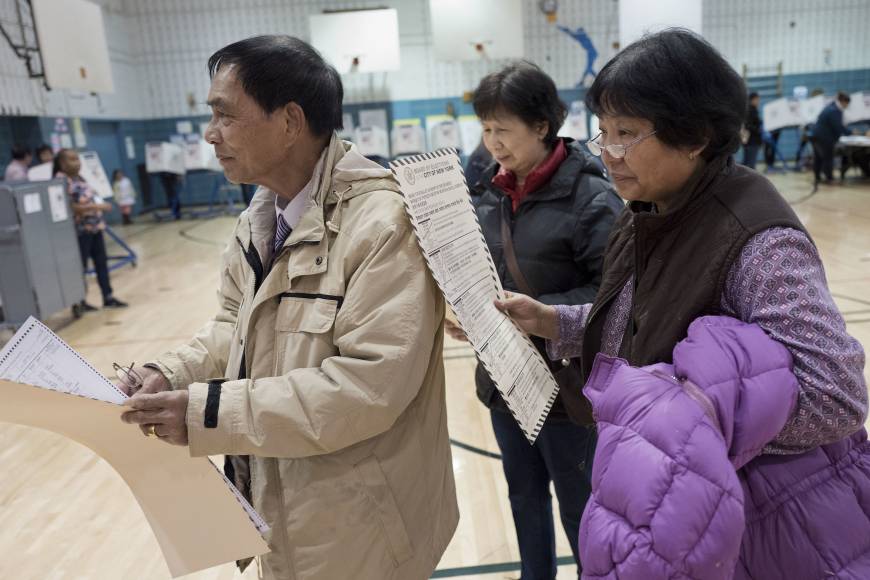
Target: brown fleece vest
{"x":681,"y":259}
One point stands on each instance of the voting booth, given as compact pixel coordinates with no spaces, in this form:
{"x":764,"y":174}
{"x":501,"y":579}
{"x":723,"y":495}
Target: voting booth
{"x":199,"y":155}
{"x":39,"y":253}
{"x":164,"y":157}
{"x":372,"y":142}
{"x":407,"y":137}
{"x":575,"y":125}
{"x":470,"y":132}
{"x":784,"y":112}
{"x":443,"y":133}
{"x":858,"y":109}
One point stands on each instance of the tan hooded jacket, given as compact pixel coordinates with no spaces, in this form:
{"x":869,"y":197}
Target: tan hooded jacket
{"x":344,"y":412}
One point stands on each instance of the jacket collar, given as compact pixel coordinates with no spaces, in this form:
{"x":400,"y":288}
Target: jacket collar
{"x":257,"y":223}
{"x":537,"y":178}
{"x":560,"y":185}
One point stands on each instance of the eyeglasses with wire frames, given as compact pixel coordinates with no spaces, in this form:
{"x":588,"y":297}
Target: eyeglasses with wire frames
{"x":616,"y":150}
{"x":128,"y":376}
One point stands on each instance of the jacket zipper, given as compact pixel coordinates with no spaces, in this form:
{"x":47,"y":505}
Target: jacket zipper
{"x":697,"y":394}
{"x":253,"y":259}
{"x":282,"y":514}
{"x":617,"y":288}
{"x":637,"y":255}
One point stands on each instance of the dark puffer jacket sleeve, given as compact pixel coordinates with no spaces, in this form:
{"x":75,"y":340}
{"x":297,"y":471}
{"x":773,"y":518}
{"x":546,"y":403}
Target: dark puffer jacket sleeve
{"x":594,"y":222}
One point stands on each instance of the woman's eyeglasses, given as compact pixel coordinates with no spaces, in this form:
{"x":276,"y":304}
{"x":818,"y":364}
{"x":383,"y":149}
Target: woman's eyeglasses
{"x":615,"y":150}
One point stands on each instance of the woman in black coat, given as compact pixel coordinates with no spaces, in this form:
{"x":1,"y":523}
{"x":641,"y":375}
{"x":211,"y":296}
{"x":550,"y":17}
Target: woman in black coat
{"x":548,"y":203}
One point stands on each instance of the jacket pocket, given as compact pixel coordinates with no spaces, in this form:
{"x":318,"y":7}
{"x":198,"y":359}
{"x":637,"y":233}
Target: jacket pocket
{"x":304,"y":333}
{"x":297,"y":314}
{"x":387,"y":510}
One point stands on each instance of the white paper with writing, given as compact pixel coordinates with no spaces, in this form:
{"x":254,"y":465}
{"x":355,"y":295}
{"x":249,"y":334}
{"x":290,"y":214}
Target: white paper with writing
{"x":438,"y":204}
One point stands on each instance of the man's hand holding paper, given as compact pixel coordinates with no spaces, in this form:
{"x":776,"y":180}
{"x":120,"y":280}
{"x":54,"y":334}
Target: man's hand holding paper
{"x":166,"y":411}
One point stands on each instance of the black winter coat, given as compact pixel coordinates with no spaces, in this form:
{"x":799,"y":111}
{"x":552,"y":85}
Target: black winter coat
{"x":753,"y":125}
{"x":559,"y":234}
{"x":829,"y":126}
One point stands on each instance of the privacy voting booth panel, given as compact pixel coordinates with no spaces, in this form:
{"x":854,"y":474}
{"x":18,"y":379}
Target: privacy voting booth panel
{"x":859,"y":109}
{"x":482,"y":29}
{"x":164,"y":157}
{"x":40,"y":266}
{"x":358,"y":40}
{"x":72,"y":41}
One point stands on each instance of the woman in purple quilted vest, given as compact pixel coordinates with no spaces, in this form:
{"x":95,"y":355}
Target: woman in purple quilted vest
{"x":701,"y":236}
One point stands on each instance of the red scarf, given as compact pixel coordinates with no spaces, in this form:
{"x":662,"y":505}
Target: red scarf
{"x":537,"y":178}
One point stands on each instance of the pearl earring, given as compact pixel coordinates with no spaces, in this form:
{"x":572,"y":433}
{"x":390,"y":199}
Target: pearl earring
{"x":691,"y":156}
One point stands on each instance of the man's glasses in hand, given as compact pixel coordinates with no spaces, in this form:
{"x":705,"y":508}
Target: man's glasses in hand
{"x":128,"y":377}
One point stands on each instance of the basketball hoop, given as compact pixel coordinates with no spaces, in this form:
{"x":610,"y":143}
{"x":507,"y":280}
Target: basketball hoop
{"x":354,"y":64}
{"x":480,"y":48}
{"x":550,"y":9}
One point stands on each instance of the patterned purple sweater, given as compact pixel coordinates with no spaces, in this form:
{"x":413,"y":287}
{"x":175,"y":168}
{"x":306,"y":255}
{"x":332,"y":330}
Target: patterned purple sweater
{"x":778,"y":282}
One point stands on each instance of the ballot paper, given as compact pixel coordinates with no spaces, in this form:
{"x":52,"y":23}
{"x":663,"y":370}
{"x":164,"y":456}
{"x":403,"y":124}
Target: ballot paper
{"x":94,"y":175}
{"x":44,"y":383}
{"x":437,"y":201}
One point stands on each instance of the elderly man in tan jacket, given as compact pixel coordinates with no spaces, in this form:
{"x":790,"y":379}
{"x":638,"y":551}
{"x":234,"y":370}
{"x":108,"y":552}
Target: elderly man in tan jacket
{"x":328,"y":333}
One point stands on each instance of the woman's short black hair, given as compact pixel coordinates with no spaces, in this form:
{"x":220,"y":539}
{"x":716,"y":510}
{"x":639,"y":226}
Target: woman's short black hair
{"x":20,"y":152}
{"x":277,"y":69}
{"x":680,"y":83}
{"x":524,"y":90}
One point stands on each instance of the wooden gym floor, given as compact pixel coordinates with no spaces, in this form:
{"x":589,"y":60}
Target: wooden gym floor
{"x":64,"y":514}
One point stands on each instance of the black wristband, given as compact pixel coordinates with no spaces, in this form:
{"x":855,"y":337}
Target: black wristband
{"x":212,"y":403}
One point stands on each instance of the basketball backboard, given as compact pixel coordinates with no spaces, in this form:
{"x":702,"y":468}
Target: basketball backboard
{"x":72,"y":42}
{"x":639,"y":17}
{"x":483,"y":29}
{"x":363,"y":41}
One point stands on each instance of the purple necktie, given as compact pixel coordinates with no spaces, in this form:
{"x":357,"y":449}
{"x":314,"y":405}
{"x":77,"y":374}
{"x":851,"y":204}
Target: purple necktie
{"x":281,"y":232}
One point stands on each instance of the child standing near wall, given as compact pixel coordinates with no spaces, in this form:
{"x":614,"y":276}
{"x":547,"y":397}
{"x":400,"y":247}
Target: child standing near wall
{"x":125,"y":194}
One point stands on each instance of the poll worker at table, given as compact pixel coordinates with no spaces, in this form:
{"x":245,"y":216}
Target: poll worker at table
{"x":828,"y":129}
{"x":753,"y":128}
{"x":328,"y":335}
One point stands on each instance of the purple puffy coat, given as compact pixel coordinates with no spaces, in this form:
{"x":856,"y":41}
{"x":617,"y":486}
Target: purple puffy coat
{"x":678,"y":488}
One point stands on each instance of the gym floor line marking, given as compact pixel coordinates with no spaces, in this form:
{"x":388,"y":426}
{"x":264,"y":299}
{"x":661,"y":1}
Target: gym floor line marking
{"x":130,"y":341}
{"x":474,"y":449}
{"x":139,"y":231}
{"x":491,"y":568}
{"x":184,"y":233}
{"x":852,"y":312}
{"x":844,"y":297}
{"x":459,"y":356}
